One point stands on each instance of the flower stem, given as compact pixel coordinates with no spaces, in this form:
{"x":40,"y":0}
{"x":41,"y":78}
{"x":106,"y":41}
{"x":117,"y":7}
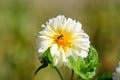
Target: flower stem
{"x":72,"y":75}
{"x":59,"y":73}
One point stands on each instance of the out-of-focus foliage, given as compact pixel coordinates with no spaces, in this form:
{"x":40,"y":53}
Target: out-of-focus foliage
{"x":20,"y":20}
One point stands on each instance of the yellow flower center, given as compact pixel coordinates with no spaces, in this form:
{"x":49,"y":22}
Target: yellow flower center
{"x":63,"y":40}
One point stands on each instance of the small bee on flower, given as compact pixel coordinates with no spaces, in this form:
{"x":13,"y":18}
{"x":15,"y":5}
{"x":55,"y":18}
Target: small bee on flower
{"x":64,"y":37}
{"x":60,"y":37}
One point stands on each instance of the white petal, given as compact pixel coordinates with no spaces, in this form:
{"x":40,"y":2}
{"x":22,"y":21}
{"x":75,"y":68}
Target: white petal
{"x":54,"y":49}
{"x":81,"y":45}
{"x":69,"y":52}
{"x":76,"y":53}
{"x":80,"y":34}
{"x":69,"y":25}
{"x":44,"y":37}
{"x":51,"y":24}
{"x":77,"y":27}
{"x":41,"y":50}
{"x":57,"y":57}
{"x":48,"y":27}
{"x":46,"y":33}
{"x":83,"y":54}
{"x":43,"y":26}
{"x":63,"y":54}
{"x":44,"y":45}
{"x":58,"y":22}
{"x":55,"y":61}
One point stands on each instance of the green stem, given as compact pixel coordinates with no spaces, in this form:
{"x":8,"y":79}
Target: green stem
{"x":72,"y":75}
{"x":59,"y":73}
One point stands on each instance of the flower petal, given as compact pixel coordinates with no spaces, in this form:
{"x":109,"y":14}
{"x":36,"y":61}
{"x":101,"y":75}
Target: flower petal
{"x":54,"y":49}
{"x":83,"y":54}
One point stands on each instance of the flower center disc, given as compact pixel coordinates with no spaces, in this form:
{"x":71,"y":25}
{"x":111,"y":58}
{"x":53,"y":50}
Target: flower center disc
{"x":62,"y":40}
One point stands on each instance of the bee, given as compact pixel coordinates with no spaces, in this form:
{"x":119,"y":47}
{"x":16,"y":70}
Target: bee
{"x":60,"y":37}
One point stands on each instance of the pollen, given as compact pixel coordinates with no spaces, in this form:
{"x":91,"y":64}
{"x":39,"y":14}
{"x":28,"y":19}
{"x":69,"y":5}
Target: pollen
{"x":63,"y":40}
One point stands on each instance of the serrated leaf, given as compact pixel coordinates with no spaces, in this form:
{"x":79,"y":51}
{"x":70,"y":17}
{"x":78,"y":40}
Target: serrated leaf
{"x":91,"y":62}
{"x":80,"y":63}
{"x":92,"y":56}
{"x":85,"y":68}
{"x":78,"y":66}
{"x":73,"y":64}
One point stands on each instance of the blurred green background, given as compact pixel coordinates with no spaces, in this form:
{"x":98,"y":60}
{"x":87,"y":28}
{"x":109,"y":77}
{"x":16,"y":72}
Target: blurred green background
{"x":20,"y":20}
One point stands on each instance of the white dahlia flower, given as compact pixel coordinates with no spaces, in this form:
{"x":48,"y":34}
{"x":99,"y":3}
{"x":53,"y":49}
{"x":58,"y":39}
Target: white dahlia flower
{"x":116,"y":75}
{"x":65,"y":37}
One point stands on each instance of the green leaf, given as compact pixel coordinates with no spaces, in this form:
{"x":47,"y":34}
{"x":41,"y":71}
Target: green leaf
{"x":76,"y":65}
{"x":48,"y":57}
{"x":105,"y":76}
{"x":92,"y":61}
{"x":92,"y":56}
{"x":85,"y":68}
